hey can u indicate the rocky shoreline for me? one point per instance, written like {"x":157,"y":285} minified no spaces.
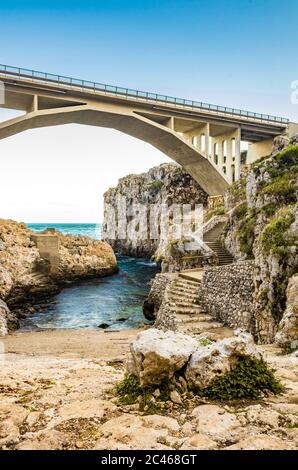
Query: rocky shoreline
{"x":26,"y":274}
{"x":191,"y":382}
{"x":58,"y":392}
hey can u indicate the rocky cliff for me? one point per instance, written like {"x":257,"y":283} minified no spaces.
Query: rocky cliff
{"x":25,"y":275}
{"x":164,"y":185}
{"x":263,"y":226}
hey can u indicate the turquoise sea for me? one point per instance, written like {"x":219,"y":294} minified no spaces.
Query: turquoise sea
{"x":115,"y":300}
{"x":88,"y":230}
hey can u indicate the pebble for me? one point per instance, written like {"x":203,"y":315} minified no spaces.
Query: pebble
{"x":175,"y":397}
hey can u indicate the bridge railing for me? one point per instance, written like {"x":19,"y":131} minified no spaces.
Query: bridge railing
{"x":95,"y":87}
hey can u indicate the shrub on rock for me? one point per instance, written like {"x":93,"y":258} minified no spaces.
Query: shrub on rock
{"x":211,"y":362}
{"x":250,"y":378}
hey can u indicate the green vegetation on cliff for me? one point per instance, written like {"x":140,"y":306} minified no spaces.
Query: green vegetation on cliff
{"x":277,"y":185}
{"x":220,"y":210}
{"x":246,"y":234}
{"x":238,"y":190}
{"x":275,"y":237}
{"x":262,"y":227}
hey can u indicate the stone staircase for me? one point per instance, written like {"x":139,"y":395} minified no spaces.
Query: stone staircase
{"x":183,"y":300}
{"x":212,"y":239}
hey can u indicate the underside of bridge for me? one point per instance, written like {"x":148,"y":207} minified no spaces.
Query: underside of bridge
{"x":207,"y":145}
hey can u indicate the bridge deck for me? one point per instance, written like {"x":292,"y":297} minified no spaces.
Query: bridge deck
{"x":16,"y":74}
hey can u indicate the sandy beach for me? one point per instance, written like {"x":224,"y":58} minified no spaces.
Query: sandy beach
{"x":77,"y":344}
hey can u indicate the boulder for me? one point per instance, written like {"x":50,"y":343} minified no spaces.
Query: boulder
{"x":156,"y":355}
{"x":210,"y":362}
{"x":8,"y":320}
{"x":288,"y":326}
{"x":216,"y":423}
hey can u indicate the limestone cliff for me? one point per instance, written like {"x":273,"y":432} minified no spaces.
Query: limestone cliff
{"x":25,"y":275}
{"x":166,"y":184}
{"x":263,"y":226}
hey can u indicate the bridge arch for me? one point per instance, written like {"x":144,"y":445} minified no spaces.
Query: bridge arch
{"x":174,"y":126}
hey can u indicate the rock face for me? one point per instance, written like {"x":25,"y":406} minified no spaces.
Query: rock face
{"x":263,"y":226}
{"x":82,"y":257}
{"x":288,"y":327}
{"x":8,"y":321}
{"x":156,"y":355}
{"x":25,"y":275}
{"x":155,"y":298}
{"x":157,"y":305}
{"x":163,"y":186}
{"x":210,"y":362}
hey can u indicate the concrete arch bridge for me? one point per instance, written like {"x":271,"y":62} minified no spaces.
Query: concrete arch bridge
{"x":205,"y":139}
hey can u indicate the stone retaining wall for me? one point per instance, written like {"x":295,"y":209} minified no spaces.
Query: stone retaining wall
{"x":227,"y":294}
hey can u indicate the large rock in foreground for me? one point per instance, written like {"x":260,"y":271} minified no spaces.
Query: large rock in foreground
{"x":210,"y":362}
{"x":157,"y":355}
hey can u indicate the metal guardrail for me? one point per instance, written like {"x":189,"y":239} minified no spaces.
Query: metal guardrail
{"x":94,"y":87}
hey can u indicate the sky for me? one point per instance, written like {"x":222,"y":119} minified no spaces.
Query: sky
{"x":239,"y":53}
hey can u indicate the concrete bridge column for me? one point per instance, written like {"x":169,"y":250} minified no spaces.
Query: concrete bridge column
{"x":199,"y":138}
{"x":225,"y":153}
{"x":33,"y":105}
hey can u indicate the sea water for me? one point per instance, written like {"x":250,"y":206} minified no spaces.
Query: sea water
{"x":114,"y":300}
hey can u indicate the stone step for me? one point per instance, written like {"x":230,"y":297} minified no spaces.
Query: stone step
{"x":185,"y":311}
{"x":193,"y":318}
{"x":183,"y":298}
{"x":185,"y":293}
{"x":188,"y":281}
{"x":206,"y":326}
{"x":184,"y":302}
{"x":190,"y":277}
{"x":182,"y":293}
{"x":186,"y":287}
{"x":186,"y":308}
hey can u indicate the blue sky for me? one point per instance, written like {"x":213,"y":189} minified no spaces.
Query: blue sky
{"x":236,"y":53}
{"x":240,"y":53}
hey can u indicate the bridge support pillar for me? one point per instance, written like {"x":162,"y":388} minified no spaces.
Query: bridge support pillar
{"x":224,"y":151}
{"x":199,"y":137}
{"x":34,"y":105}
